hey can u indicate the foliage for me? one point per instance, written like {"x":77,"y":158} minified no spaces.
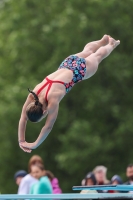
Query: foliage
{"x":94,"y":126}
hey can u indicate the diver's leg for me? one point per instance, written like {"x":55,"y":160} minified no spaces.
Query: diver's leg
{"x":92,"y":47}
{"x":94,"y":59}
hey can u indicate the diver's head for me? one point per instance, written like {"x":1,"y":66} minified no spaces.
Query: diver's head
{"x":34,"y":110}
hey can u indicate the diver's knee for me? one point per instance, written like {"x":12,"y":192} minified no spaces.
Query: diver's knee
{"x":87,"y":52}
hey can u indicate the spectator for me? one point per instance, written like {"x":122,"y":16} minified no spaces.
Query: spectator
{"x":54,"y":182}
{"x":43,"y":186}
{"x":89,"y":180}
{"x":34,"y":160}
{"x":28,"y":180}
{"x":19,"y":175}
{"x":100,"y":174}
{"x":116,"y":180}
{"x":129,"y":174}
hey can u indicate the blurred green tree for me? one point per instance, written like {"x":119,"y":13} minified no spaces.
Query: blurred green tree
{"x":94,"y":126}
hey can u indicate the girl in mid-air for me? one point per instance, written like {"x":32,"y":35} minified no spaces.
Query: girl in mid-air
{"x":45,"y":98}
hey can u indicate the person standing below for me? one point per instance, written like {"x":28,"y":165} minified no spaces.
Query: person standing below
{"x":28,"y":180}
{"x":100,"y":173}
{"x":54,"y":182}
{"x":89,"y":180}
{"x":129,"y":174}
{"x":19,"y":175}
{"x":43,"y":186}
{"x":116,"y":180}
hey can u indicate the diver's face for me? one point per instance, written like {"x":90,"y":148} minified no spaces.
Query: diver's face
{"x":45,"y":112}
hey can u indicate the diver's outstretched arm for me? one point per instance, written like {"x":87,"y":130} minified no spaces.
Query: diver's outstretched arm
{"x":23,"y":122}
{"x":51,"y":118}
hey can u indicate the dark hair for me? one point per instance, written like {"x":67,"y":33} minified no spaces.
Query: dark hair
{"x":116,"y":178}
{"x":49,"y":174}
{"x":20,"y":173}
{"x":35,"y":111}
{"x":91,"y":176}
{"x":130,"y":165}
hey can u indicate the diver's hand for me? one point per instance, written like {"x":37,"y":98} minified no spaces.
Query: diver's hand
{"x":26,"y":147}
{"x":29,"y":145}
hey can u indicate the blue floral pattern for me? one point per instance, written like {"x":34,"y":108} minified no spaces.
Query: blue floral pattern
{"x":77,"y":66}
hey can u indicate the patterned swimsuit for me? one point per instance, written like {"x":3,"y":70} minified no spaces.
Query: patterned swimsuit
{"x":77,"y":66}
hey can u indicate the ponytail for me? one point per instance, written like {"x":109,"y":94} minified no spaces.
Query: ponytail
{"x":37,"y":103}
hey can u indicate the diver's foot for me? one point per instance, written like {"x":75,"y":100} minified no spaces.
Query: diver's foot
{"x":113,"y":42}
{"x":105,"y":40}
